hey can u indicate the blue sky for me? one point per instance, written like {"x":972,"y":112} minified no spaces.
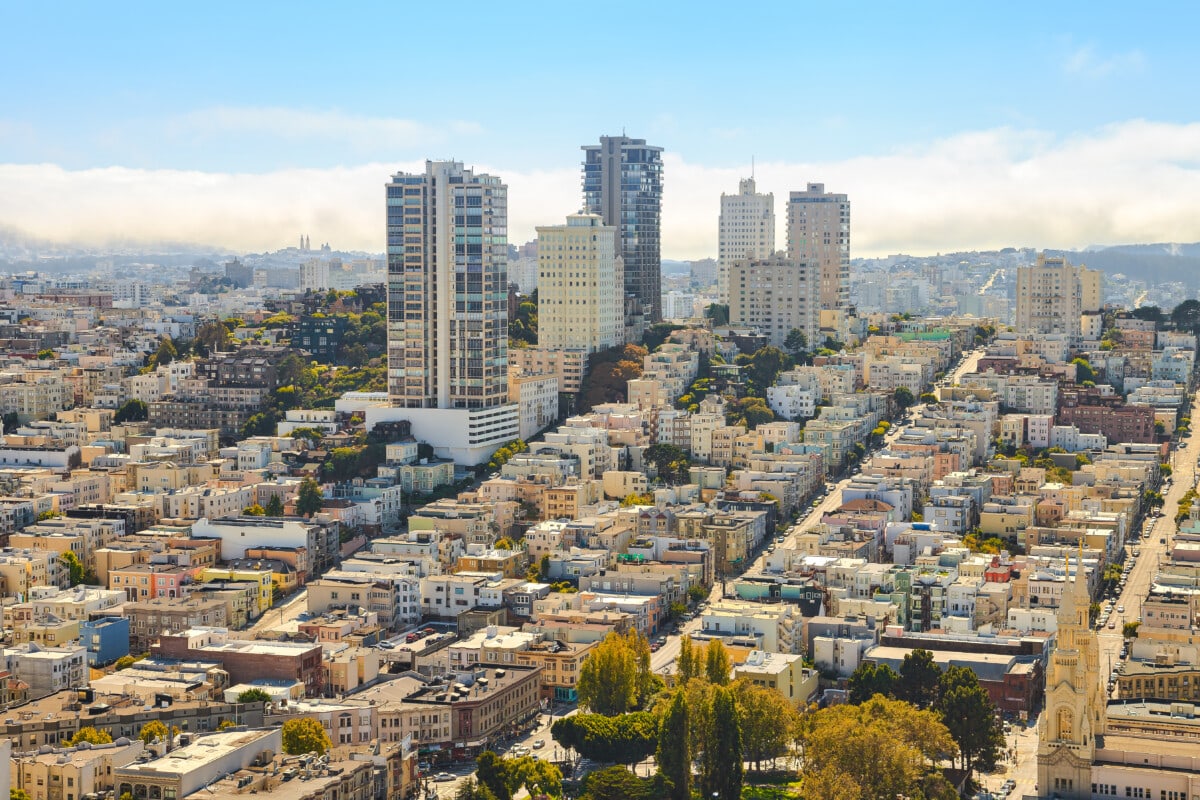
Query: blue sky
{"x":177,"y":121}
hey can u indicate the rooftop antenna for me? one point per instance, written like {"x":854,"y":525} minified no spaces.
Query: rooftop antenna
{"x":751,"y":167}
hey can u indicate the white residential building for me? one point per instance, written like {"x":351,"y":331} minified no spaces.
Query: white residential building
{"x":746,"y":229}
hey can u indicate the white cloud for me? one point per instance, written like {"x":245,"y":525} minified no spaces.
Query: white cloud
{"x":1086,"y":62}
{"x":1136,"y":181}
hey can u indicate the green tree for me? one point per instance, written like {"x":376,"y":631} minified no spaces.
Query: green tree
{"x":687,"y":663}
{"x":904,"y":397}
{"x":132,"y":411}
{"x":796,"y":345}
{"x":751,"y":412}
{"x":262,"y":423}
{"x":1083,"y":370}
{"x":309,"y":500}
{"x":768,"y":721}
{"x":1149,"y":314}
{"x":212,"y":337}
{"x":1130,"y":629}
{"x":274,"y":507}
{"x":15,"y":793}
{"x":669,"y":461}
{"x":125,"y":662}
{"x":618,"y":783}
{"x":716,"y":663}
{"x":886,"y":748}
{"x":722,"y":770}
{"x":254,"y":696}
{"x":11,"y":420}
{"x":871,"y":679}
{"x":496,"y":774}
{"x":540,"y":778}
{"x":718,"y":313}
{"x":304,"y":735}
{"x":472,"y":790}
{"x":165,"y":354}
{"x":919,"y":679}
{"x":763,"y":367}
{"x":74,"y":567}
{"x":697,"y":593}
{"x":254,"y":510}
{"x":90,"y":735}
{"x":623,"y":738}
{"x":674,"y":754}
{"x":607,"y":678}
{"x":1186,"y":316}
{"x":156,"y":731}
{"x":46,"y":354}
{"x":970,"y":716}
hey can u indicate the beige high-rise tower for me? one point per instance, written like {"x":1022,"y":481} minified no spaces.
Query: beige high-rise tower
{"x":818,"y":233}
{"x":746,"y":229}
{"x":581,"y":284}
{"x":773,"y":295}
{"x":1053,"y":294}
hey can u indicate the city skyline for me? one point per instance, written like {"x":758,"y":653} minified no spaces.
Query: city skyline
{"x":965,"y":130}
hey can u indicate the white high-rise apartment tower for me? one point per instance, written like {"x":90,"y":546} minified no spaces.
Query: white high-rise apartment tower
{"x":746,"y":230}
{"x":447,"y":250}
{"x":581,"y":285}
{"x":818,"y":232}
{"x":1052,"y":296}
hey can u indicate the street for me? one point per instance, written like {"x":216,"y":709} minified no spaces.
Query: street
{"x":275,"y":619}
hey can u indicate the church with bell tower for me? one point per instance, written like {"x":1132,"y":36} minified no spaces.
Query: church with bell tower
{"x":1076,"y":704}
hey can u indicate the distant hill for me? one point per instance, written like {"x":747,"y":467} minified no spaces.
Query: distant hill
{"x":1153,"y":263}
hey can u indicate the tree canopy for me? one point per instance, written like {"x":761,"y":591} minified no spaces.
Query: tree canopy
{"x":618,"y":783}
{"x":871,"y":679}
{"x":616,"y":676}
{"x":721,"y":767}
{"x":623,"y":739}
{"x":133,"y":410}
{"x":156,"y":731}
{"x":91,"y":735}
{"x":310,"y":499}
{"x":674,"y":753}
{"x":305,"y":735}
{"x":877,"y":750}
{"x":971,"y":719}
{"x":918,"y":679}
{"x":669,"y":461}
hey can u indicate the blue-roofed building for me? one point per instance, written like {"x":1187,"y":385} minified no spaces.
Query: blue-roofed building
{"x":106,"y":639}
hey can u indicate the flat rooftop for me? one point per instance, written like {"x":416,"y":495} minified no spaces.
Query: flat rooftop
{"x":203,"y":751}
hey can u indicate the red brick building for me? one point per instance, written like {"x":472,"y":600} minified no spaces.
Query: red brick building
{"x":245,"y":660}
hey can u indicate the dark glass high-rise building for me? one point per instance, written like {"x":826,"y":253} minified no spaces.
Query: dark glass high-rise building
{"x":622,"y":182}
